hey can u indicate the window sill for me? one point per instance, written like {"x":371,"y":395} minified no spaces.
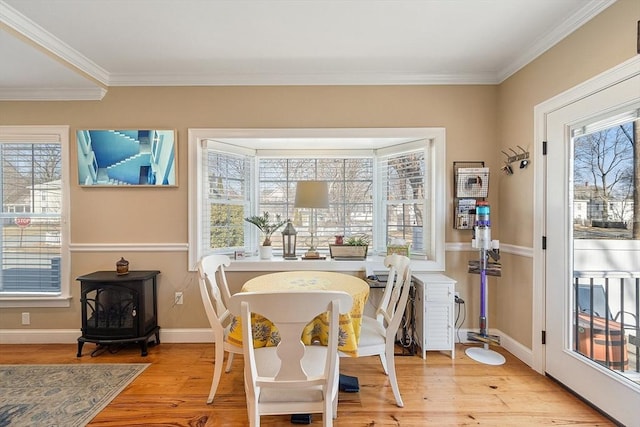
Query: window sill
{"x":371,"y":264}
{"x":35,"y":301}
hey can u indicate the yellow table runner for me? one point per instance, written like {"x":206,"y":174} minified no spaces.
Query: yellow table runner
{"x":265,"y":333}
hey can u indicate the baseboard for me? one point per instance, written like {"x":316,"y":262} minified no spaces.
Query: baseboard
{"x":70,"y":336}
{"x":201,"y":335}
{"x":39,"y":336}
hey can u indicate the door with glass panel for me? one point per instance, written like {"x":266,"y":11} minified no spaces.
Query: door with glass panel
{"x":592,"y":276}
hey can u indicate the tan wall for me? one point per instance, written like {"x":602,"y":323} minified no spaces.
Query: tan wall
{"x":141,"y":215}
{"x":606,"y":41}
{"x":480,"y":122}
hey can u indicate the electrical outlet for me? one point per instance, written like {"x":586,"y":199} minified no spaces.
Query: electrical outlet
{"x":456,"y":294}
{"x":26,"y":319}
{"x":178,"y":299}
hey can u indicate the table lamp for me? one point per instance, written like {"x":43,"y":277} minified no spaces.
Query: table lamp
{"x":313,"y":195}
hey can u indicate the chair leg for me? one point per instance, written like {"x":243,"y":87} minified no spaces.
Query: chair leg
{"x":392,"y":376}
{"x":229,"y":361}
{"x":383,"y":360}
{"x":217,"y":371}
{"x":252,"y":408}
{"x":327,"y":415}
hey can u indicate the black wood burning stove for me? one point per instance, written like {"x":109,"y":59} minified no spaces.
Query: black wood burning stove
{"x":119,"y":308}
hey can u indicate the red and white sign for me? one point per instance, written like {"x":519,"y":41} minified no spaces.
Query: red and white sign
{"x":23,"y":222}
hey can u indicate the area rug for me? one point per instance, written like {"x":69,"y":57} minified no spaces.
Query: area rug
{"x":60,"y":395}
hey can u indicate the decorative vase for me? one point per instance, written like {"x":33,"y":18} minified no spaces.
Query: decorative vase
{"x":266,"y":252}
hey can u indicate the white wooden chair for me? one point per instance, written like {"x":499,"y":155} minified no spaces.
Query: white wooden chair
{"x":378,"y":335}
{"x":215,"y":264}
{"x":291,"y":378}
{"x":213,"y":285}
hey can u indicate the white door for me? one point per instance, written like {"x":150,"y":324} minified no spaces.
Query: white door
{"x":606,"y":389}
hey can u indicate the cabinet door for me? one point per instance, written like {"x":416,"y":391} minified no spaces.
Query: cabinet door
{"x":438,"y":326}
{"x":438,"y":316}
{"x":438,"y":292}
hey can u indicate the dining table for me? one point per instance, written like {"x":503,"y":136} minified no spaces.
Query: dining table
{"x":265,"y":333}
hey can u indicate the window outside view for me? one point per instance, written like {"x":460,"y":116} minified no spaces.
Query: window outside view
{"x":350,"y":209}
{"x":605,"y":176}
{"x":605,"y":220}
{"x":31,"y":191}
{"x":351,"y":182}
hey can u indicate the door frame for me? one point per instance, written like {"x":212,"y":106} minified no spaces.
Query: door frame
{"x":606,"y":79}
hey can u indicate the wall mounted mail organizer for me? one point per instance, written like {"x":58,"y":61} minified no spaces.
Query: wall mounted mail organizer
{"x":471,"y":184}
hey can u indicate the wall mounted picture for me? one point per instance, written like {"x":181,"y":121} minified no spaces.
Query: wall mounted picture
{"x":134,"y":157}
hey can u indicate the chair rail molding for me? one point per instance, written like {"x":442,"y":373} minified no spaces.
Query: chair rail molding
{"x":131,"y":247}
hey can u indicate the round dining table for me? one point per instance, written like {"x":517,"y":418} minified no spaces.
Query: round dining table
{"x":265,"y":334}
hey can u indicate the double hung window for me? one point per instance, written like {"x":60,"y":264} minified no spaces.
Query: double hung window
{"x":34,"y":194}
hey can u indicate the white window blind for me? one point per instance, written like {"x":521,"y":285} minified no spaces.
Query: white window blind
{"x":32,"y":207}
{"x":404,"y":185}
{"x":350,"y":183}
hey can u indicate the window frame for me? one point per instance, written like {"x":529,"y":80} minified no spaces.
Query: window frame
{"x":437,"y":182}
{"x":48,"y":134}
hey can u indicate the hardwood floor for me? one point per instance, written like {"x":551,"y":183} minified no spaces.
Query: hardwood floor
{"x":437,"y":392}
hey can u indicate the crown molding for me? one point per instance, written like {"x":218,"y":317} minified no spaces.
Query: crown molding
{"x":34,"y":34}
{"x":293,"y":79}
{"x":51,"y":44}
{"x":548,"y":40}
{"x":51,"y":94}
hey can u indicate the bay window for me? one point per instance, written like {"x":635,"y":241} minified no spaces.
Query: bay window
{"x":385,"y":184}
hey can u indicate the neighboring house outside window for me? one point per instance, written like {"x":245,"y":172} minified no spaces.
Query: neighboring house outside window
{"x":34,"y":190}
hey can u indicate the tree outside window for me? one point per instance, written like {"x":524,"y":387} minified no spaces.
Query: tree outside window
{"x":606,"y":182}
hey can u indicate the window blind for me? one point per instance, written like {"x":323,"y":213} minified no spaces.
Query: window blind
{"x":403,"y":179}
{"x":31,"y":190}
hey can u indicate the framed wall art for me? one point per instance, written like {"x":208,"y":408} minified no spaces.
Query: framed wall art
{"x":131,"y":157}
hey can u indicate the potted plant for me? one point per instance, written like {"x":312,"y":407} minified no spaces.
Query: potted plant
{"x":267,"y":225}
{"x":354,"y":247}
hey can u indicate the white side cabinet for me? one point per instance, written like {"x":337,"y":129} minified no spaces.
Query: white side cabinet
{"x":435,"y":312}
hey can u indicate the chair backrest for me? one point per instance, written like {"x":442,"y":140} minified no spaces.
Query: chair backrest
{"x":396,"y":293}
{"x":600,"y":307}
{"x":290,"y":312}
{"x":212,"y":294}
{"x":213,"y":265}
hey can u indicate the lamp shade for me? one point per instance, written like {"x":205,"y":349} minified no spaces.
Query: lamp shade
{"x":312,"y":194}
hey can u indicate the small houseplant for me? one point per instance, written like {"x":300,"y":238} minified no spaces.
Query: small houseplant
{"x":357,"y":240}
{"x":267,"y":225}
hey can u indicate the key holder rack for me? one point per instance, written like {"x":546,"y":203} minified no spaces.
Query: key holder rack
{"x":522,"y":157}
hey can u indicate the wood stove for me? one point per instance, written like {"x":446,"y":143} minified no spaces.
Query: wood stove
{"x":119,"y":308}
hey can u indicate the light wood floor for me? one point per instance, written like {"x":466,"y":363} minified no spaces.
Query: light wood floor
{"x":437,"y":392}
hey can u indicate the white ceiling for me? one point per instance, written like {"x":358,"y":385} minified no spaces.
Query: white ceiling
{"x":77,"y":49}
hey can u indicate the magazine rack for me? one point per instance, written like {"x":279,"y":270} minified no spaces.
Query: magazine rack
{"x":471,"y":184}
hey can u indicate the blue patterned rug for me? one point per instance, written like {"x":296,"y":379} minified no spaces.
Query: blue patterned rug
{"x":60,"y":395}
